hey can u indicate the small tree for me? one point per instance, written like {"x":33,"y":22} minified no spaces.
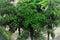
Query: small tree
{"x":31,"y":16}
{"x":53,"y":18}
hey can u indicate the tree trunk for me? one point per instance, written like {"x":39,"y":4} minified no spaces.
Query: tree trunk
{"x":31,"y":34}
{"x":31,"y":31}
{"x":48,"y":36}
{"x":19,"y":30}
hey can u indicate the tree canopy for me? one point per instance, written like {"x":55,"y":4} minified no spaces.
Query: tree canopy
{"x":30,"y":15}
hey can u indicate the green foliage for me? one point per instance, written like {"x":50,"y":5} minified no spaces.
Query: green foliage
{"x":5,"y":33}
{"x":27,"y":12}
{"x":23,"y":35}
{"x":4,"y":3}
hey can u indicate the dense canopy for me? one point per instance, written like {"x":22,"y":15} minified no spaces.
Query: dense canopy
{"x":30,"y":15}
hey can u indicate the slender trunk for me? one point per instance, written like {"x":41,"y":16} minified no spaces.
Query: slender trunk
{"x":48,"y":36}
{"x":31,"y":34}
{"x":31,"y":31}
{"x":19,"y":30}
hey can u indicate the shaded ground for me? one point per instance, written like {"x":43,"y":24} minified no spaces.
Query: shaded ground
{"x":57,"y":35}
{"x":57,"y":38}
